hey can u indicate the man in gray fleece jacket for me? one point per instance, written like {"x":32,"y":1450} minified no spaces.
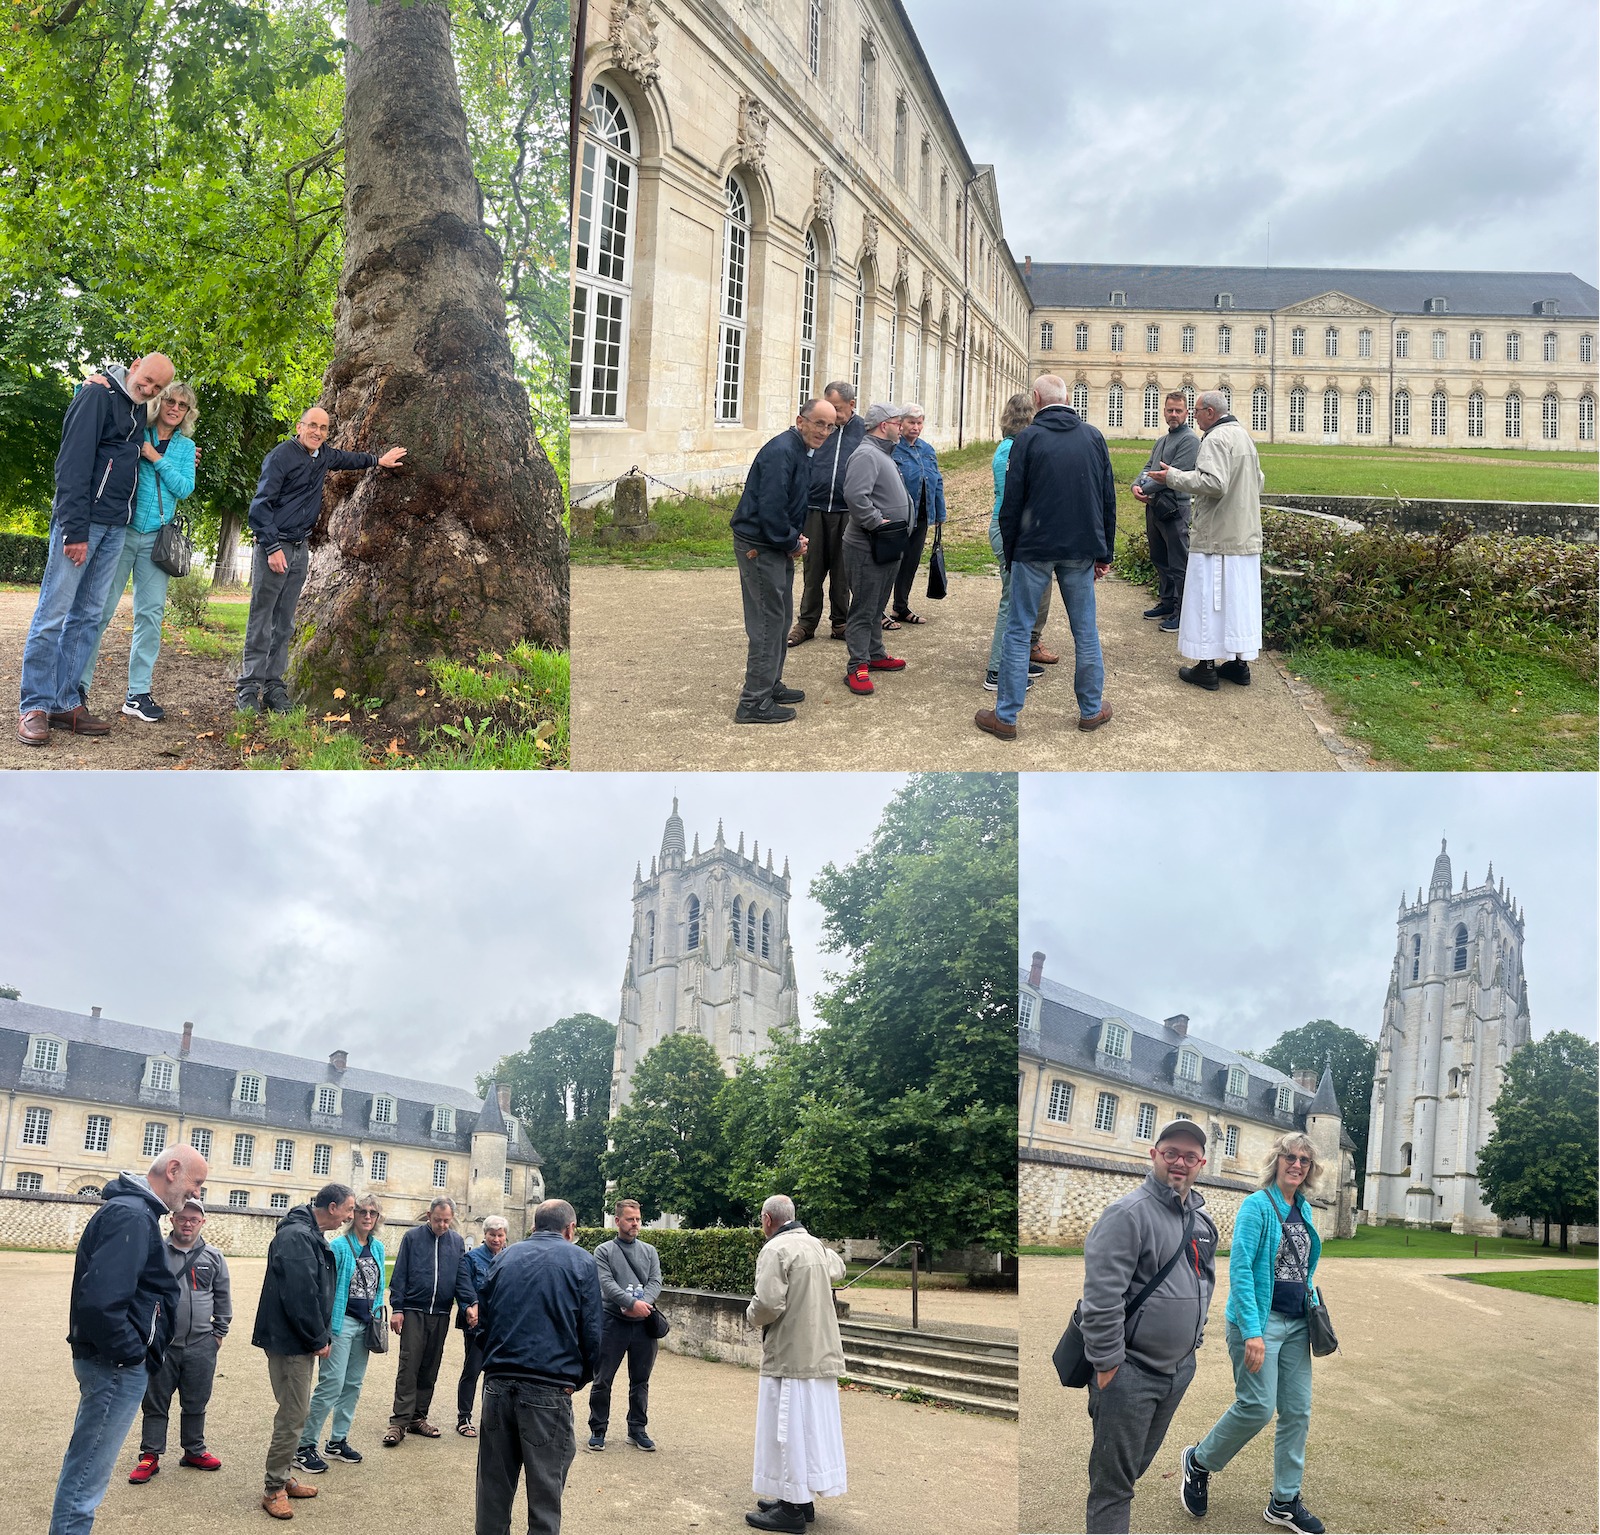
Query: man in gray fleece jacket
{"x":875,"y":498}
{"x":1144,"y":1365}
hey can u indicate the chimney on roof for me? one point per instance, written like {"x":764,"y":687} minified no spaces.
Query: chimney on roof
{"x":1305,"y":1078}
{"x":1036,"y":969}
{"x":94,"y":1012}
{"x":338,"y":1060}
{"x":188,"y":1038}
{"x":1027,"y":266}
{"x":1179,"y":1024}
{"x":503,"y":1092}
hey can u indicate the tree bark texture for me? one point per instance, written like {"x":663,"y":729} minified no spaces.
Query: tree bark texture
{"x":461,"y":548}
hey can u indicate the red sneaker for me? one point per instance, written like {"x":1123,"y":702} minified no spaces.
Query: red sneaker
{"x":148,"y":1466}
{"x":887,"y":664}
{"x":857,"y":680}
{"x":203,"y":1460}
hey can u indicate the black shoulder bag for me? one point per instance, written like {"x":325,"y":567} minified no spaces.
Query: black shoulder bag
{"x":172,"y":551}
{"x":655,"y":1325}
{"x":1071,"y":1363}
{"x":1320,"y":1326}
{"x":938,"y":586}
{"x":889,"y":541}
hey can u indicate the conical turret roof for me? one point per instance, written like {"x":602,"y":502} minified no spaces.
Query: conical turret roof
{"x":672,"y":843}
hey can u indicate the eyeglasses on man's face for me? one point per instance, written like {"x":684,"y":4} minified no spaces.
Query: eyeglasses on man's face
{"x":1187,"y":1158}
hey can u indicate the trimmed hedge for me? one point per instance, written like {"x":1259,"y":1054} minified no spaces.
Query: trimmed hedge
{"x":23,"y":556}
{"x":721,"y":1258}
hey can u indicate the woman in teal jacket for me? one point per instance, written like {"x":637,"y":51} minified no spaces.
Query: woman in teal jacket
{"x":1270,"y":1269}
{"x":358,"y":1255}
{"x":1017,"y":412}
{"x":166,"y":477}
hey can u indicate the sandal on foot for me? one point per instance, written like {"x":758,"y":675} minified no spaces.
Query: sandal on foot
{"x":392,"y":1436}
{"x":890,"y":623}
{"x":909,"y":617}
{"x":466,"y":1430}
{"x":422,"y":1428}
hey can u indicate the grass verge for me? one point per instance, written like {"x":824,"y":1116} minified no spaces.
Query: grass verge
{"x":1565,"y":1284}
{"x":1400,"y":1242}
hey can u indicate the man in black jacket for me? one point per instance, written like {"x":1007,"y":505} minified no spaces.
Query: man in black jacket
{"x":825,"y":520}
{"x":540,"y":1310}
{"x":1058,"y":521}
{"x":294,"y":1327}
{"x":124,"y":1299}
{"x":766,"y":537}
{"x":427,"y":1277}
{"x":287,"y":503}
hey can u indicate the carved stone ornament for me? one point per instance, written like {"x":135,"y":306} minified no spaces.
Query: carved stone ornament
{"x":869,"y":237}
{"x":752,"y":137}
{"x":927,"y":289}
{"x":902,"y":264}
{"x":633,"y":39}
{"x":824,"y":187}
{"x":1334,"y":304}
{"x":944,"y":309}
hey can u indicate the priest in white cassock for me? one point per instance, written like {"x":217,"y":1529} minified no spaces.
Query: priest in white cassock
{"x":1219,"y":628}
{"x":799,"y":1437}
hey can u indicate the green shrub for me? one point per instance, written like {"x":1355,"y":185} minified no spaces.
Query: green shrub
{"x":22,"y":557}
{"x":718,"y":1258}
{"x":189,"y":597}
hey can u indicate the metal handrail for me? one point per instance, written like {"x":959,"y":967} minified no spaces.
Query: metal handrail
{"x":916,"y":1249}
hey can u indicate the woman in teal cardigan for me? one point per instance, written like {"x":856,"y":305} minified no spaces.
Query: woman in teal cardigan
{"x":1270,"y":1268}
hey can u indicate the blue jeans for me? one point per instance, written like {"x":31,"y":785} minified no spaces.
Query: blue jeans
{"x":71,"y":600}
{"x":1029,"y":582}
{"x":1283,"y":1383}
{"x":149,"y":603}
{"x":997,"y":643}
{"x":108,"y":1402}
{"x":338,"y":1383}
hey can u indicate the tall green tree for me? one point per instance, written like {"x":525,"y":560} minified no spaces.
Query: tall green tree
{"x":561,"y":1091}
{"x":667,"y":1145}
{"x":1543,"y":1159}
{"x":1353,"y":1059}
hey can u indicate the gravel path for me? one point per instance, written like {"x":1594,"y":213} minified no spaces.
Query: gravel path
{"x":1450,"y":1407}
{"x":702,"y":1415}
{"x":658,"y":657}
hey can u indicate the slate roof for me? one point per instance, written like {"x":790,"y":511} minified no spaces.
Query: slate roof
{"x":106,"y":1064}
{"x":1084,"y":285}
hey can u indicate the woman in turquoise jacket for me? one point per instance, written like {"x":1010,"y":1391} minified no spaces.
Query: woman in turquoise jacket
{"x":1017,"y":412}
{"x":166,"y":477}
{"x":1270,"y":1293}
{"x":358,"y":1289}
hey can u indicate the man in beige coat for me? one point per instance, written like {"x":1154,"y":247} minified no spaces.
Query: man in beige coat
{"x":799,"y":1436}
{"x":1219,"y":628}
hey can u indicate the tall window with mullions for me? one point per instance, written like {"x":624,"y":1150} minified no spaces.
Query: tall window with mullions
{"x":808,"y":320}
{"x":735,"y":295}
{"x":600,"y":290}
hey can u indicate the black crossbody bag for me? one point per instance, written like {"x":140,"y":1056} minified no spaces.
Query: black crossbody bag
{"x":655,"y":1325}
{"x":173,"y":549}
{"x":1071,"y":1363}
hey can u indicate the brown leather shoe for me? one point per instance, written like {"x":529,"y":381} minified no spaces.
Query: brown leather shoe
{"x":422,"y":1429}
{"x":298,"y":1489}
{"x":1094,"y":721}
{"x":799,"y":635}
{"x":79,"y":722}
{"x":33,"y":728}
{"x":1042,"y":656}
{"x":277,"y":1504}
{"x":988,"y":720}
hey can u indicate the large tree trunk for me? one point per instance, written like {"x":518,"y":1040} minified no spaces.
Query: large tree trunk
{"x":226,"y":572}
{"x":461,"y":549}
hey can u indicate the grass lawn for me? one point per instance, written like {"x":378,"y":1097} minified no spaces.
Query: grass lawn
{"x":900,"y":1279}
{"x":1051,"y":1252}
{"x":1565,"y":1284}
{"x":1398,"y":1242}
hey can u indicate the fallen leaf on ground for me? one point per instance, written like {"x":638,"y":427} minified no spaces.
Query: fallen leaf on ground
{"x":421,"y":691}
{"x":336,"y":719}
{"x":338,"y":692}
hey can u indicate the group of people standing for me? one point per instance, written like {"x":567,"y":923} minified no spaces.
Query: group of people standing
{"x":127,"y":461}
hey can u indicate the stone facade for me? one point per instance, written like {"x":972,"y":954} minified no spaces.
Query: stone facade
{"x":1457,"y":1008}
{"x":773,"y":195}
{"x":709,"y":954}
{"x":1306,"y":361}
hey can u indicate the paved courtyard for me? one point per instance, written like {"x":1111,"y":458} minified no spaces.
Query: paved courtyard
{"x":1451,"y":1407}
{"x":900,"y":1455}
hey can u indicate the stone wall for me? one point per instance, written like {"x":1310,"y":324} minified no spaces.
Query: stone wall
{"x":56,"y":1221}
{"x":1571,"y":522}
{"x":710,"y":1325}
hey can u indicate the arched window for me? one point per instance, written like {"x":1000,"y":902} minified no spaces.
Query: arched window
{"x":1258,"y":409}
{"x":1116,"y":337}
{"x":1297,"y":341}
{"x":1402,"y":413}
{"x":1459,"y":961}
{"x":1114,"y":405}
{"x":766,"y":935}
{"x":601,"y":266}
{"x":1152,"y":405}
{"x":692,"y":912}
{"x":1475,"y":414}
{"x":855,"y":334}
{"x":1080,"y":398}
{"x":735,"y":297}
{"x":1405,"y":1155}
{"x":1188,"y":1066}
{"x":1513,"y":415}
{"x":1227,"y":398}
{"x":750,"y":928}
{"x":650,"y":939}
{"x":808,"y":320}
{"x":1363,"y":413}
{"x":1224,"y":340}
{"x":737,"y":909}
{"x":1297,"y":410}
{"x":1550,"y":418}
{"x":1549,"y":346}
{"x":1416,"y":954}
{"x":1188,"y":398}
{"x":1330,"y":341}
{"x":1586,"y":418}
{"x":1455,"y":1079}
{"x":1438,"y":414}
{"x":1330,"y":412}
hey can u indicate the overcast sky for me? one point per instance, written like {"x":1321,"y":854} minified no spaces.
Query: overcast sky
{"x":1457,"y":135}
{"x":1255,"y":903}
{"x":427,"y":924}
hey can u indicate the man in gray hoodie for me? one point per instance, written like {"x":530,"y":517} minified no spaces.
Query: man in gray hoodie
{"x":1143,"y":1365}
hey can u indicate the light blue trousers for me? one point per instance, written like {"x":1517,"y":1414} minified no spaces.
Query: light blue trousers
{"x":149,"y":603}
{"x":338,"y":1384}
{"x":1281,"y":1385}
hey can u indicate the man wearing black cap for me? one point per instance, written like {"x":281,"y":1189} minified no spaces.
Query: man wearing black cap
{"x":1143,"y":1364}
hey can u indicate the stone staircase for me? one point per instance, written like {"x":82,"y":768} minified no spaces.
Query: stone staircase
{"x":979,"y":1374}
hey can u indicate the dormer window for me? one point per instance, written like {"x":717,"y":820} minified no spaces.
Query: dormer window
{"x":1238,"y":1082}
{"x":160,"y":1075}
{"x":1114,"y":1039}
{"x":249,"y":1087}
{"x":1188,"y":1066}
{"x":328,"y":1100}
{"x":1027,"y":1005}
{"x":46,"y":1054}
{"x":1119,"y":299}
{"x":444,"y":1120}
{"x":1224,"y":301}
{"x":383,"y":1111}
{"x":1285,"y":1099}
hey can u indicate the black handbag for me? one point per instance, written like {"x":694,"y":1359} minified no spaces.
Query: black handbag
{"x":889,"y":541}
{"x":938,"y":586}
{"x":1072,"y":1364}
{"x":655,"y":1325}
{"x":378,"y":1330}
{"x":1320,"y":1326}
{"x":173,"y":550}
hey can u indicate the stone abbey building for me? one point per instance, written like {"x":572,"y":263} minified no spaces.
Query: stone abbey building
{"x":87,"y":1097}
{"x":709,"y":953}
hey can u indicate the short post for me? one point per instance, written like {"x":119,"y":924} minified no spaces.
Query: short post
{"x":630,"y":513}
{"x":1474,"y":1247}
{"x":915,"y":1249}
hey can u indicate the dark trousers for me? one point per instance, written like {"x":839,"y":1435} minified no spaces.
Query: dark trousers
{"x":1169,"y":553}
{"x":526,"y":1428}
{"x":471,"y":1369}
{"x":421,"y":1348}
{"x":621,"y":1339}
{"x":766,"y":584}
{"x":909,"y":561}
{"x":189,"y":1371}
{"x":824,"y":562}
{"x":869,"y":589}
{"x":1131,"y":1417}
{"x":271,"y":622}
